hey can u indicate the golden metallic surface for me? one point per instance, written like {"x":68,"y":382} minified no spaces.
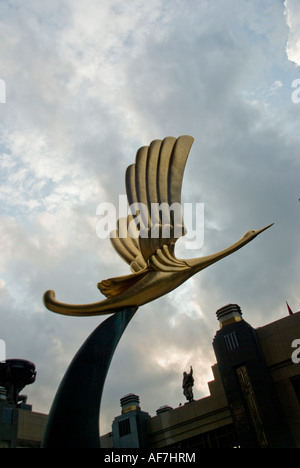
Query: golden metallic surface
{"x":129,"y":409}
{"x":156,"y":177}
{"x":230,"y":321}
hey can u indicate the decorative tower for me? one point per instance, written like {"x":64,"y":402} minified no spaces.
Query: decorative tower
{"x":129,"y":429}
{"x":248,"y":385}
{"x":15,"y":374}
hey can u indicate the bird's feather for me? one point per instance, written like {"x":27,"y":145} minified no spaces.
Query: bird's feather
{"x":112,"y":287}
{"x":153,"y":187}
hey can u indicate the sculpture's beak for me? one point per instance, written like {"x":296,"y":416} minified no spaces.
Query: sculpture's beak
{"x":263,"y":229}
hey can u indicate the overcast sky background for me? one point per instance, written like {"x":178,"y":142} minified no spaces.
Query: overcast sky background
{"x":87,"y":84}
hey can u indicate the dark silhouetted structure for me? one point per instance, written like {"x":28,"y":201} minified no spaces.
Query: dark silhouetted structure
{"x":15,"y":374}
{"x":74,"y":415}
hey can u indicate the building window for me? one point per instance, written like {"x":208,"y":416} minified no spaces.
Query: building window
{"x":251,"y":405}
{"x":231,"y":341}
{"x":7,"y":415}
{"x":295,"y":381}
{"x":124,"y":427}
{"x":223,"y":437}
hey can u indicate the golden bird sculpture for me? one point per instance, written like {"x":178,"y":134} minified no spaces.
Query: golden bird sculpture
{"x":154,"y":180}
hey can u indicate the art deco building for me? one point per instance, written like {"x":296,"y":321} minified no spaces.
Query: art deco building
{"x":253,"y":401}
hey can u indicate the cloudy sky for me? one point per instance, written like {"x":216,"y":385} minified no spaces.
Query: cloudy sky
{"x":84,"y":85}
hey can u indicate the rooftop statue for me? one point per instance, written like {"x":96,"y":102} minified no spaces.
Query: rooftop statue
{"x":154,"y":179}
{"x":187,"y":385}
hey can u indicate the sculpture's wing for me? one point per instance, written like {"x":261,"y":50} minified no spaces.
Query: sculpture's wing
{"x":153,"y":185}
{"x":125,"y":240}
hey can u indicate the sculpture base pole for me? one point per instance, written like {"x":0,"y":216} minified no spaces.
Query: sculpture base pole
{"x":74,"y":416}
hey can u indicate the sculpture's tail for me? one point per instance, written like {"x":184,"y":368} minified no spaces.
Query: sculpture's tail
{"x":113,"y":287}
{"x":104,"y":307}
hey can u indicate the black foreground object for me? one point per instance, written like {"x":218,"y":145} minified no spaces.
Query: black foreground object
{"x":74,"y":416}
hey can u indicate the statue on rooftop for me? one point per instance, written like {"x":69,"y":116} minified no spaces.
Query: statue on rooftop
{"x":187,"y":385}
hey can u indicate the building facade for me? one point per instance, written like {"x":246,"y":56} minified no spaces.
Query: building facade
{"x":20,"y":427}
{"x":254,"y":397}
{"x":253,"y":401}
